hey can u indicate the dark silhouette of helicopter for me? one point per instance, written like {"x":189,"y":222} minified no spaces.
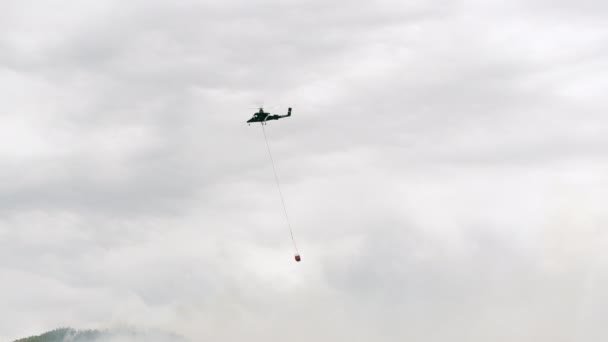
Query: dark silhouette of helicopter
{"x":262,"y":116}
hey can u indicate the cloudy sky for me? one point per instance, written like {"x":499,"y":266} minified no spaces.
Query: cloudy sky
{"x":445,"y":169}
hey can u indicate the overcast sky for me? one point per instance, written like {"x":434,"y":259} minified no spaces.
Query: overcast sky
{"x":445,"y":169}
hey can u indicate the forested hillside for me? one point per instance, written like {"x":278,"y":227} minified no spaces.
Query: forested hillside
{"x":114,"y":335}
{"x":64,"y":335}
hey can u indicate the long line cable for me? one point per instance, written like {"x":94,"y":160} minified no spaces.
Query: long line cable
{"x":276,"y":178}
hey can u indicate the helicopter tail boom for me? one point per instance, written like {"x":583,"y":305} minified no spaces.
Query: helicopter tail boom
{"x":273,"y":117}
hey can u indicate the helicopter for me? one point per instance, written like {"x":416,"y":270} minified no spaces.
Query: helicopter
{"x":262,"y":116}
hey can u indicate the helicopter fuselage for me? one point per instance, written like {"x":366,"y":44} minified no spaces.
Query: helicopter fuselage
{"x":262,"y":116}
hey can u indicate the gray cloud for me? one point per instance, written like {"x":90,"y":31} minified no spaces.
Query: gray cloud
{"x":444,"y":169}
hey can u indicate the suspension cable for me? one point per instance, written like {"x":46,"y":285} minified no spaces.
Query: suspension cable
{"x":276,"y":178}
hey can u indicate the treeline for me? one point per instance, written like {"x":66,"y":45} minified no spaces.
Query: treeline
{"x":65,"y":334}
